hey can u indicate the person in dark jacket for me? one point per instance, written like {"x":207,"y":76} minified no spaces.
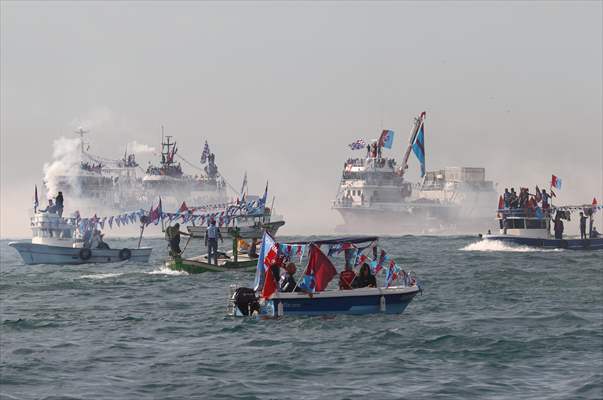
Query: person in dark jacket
{"x":583,"y":219}
{"x":365,"y":278}
{"x":288,"y":283}
{"x":59,"y":203}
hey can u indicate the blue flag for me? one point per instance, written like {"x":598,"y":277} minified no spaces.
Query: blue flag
{"x":418,"y":147}
{"x":387,"y":139}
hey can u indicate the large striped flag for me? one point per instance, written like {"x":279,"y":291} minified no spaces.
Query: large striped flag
{"x":418,"y":147}
{"x":386,"y":139}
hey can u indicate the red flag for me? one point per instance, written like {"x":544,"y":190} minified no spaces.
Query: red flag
{"x":183,"y":207}
{"x":501,"y":203}
{"x":271,"y":256}
{"x":269,"y":283}
{"x":321,"y":267}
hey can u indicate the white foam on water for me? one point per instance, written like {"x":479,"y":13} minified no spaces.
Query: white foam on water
{"x":497,"y":245}
{"x":101,"y":276}
{"x":163,"y":270}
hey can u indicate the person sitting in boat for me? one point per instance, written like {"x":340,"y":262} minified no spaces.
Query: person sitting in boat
{"x":346,"y":278}
{"x":288,"y":283}
{"x":365,"y":278}
{"x":594,"y":233}
{"x":172,"y":234}
{"x":252,"y":251}
{"x":211,"y":241}
{"x":51,"y":208}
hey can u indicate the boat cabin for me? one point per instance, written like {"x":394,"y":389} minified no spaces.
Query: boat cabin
{"x":524,"y":223}
{"x":50,"y":229}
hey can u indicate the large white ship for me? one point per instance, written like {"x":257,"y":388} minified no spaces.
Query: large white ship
{"x":375,"y":196}
{"x":123,"y":185}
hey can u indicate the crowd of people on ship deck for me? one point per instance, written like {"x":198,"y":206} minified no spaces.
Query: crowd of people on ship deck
{"x":526,"y":200}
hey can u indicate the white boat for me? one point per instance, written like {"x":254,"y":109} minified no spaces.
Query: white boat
{"x":54,"y":241}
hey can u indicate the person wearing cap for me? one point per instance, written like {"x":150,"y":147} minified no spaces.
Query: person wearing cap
{"x":211,"y":241}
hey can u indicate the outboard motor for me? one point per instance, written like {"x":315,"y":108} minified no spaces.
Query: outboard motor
{"x":246,"y":301}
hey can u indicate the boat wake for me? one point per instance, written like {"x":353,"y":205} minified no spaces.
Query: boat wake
{"x":497,"y":245}
{"x":101,"y":276}
{"x":163,"y":270}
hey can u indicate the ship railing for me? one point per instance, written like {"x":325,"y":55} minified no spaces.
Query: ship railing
{"x":504,"y":213}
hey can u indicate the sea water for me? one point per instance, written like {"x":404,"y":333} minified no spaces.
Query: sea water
{"x":493,"y":322}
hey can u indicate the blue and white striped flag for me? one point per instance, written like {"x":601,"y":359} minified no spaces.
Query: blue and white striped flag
{"x":358,"y":144}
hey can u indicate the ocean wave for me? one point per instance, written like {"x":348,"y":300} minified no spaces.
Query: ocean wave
{"x":102,"y":276}
{"x":497,"y":245}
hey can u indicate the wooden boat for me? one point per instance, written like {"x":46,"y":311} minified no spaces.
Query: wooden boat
{"x":200,"y":264}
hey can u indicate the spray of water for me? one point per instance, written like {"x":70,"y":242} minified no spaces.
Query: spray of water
{"x":499,"y":246}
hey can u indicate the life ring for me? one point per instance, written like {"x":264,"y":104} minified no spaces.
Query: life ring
{"x":85,"y":253}
{"x":125,"y":254}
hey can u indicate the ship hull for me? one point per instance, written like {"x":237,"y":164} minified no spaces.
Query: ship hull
{"x":569,"y":243}
{"x":411,"y":219}
{"x":43,"y":254}
{"x":343,"y":302}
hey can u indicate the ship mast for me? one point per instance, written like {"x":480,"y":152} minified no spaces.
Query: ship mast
{"x":81,"y":131}
{"x":413,"y":137}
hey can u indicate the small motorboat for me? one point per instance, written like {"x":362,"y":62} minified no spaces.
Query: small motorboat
{"x":525,"y":227}
{"x":55,"y":241}
{"x":394,"y":295}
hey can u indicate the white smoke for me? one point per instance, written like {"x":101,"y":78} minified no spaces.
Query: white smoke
{"x":66,"y":160}
{"x":140,"y":148}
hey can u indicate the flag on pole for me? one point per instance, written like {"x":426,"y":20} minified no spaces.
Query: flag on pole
{"x":320,"y":267}
{"x":418,"y":147}
{"x":205,"y":153}
{"x":386,"y":139}
{"x":36,"y":201}
{"x":358,"y":144}
{"x":262,"y":200}
{"x":556,"y":182}
{"x":265,"y":246}
{"x":244,"y":185}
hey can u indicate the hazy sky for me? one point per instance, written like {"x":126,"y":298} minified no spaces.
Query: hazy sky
{"x":280,"y":89}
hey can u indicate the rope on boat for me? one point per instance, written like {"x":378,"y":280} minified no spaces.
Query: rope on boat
{"x":235,"y":191}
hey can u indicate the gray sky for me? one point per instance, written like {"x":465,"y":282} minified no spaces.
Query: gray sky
{"x":280,"y":89}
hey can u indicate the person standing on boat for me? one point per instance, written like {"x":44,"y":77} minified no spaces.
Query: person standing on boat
{"x":59,"y":204}
{"x":558,"y":227}
{"x":507,"y":198}
{"x":172,"y":234}
{"x":545,"y":199}
{"x":583,"y":219}
{"x":211,"y":241}
{"x":51,"y":208}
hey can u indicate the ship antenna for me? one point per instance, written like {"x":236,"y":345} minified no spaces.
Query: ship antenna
{"x":81,"y":131}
